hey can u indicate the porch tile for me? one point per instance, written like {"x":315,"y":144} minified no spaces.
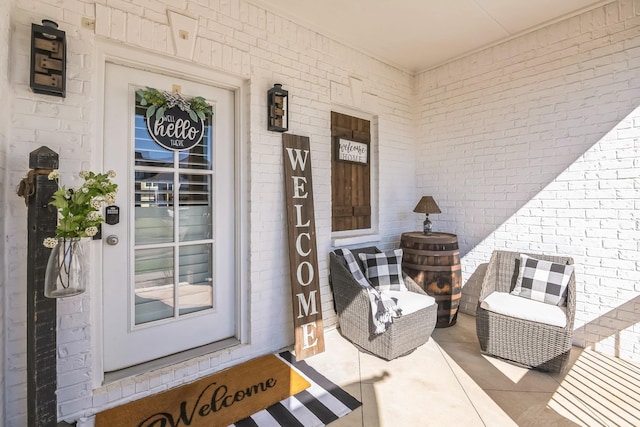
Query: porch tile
{"x":490,"y":413}
{"x":417,"y":389}
{"x":495,"y":374}
{"x":448,"y":382}
{"x":339,"y":362}
{"x":529,"y":409}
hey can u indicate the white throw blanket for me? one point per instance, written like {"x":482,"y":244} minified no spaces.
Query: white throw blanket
{"x":383,"y":307}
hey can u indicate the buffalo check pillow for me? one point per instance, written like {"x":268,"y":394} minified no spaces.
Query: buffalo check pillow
{"x":543,"y":281}
{"x":384,"y":270}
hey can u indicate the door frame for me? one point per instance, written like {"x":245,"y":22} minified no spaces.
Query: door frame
{"x":110,"y":52}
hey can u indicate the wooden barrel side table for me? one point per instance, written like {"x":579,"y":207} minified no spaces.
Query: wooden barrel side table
{"x":434,"y":263}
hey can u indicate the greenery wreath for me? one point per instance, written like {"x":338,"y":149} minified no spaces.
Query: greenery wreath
{"x":158,"y":102}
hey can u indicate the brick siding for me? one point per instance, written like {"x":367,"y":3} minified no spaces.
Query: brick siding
{"x":4,"y":127}
{"x":533,"y":145}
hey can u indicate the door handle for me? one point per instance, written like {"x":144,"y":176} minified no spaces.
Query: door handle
{"x":112,"y":240}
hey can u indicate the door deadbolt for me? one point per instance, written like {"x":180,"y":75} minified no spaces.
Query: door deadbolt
{"x":112,"y":240}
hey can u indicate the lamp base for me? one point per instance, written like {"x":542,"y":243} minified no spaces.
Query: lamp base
{"x":427,"y":227}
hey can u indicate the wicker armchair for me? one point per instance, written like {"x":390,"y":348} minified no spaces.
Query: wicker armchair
{"x":531,"y":344}
{"x":354,"y":314}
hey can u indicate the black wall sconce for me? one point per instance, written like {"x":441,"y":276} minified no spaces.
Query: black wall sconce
{"x":48,"y":59}
{"x":278,"y":108}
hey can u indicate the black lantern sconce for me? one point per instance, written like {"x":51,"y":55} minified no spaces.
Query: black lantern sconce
{"x":278,"y":108}
{"x":48,"y":59}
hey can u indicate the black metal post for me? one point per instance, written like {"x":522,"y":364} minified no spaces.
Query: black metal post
{"x":41,"y":311}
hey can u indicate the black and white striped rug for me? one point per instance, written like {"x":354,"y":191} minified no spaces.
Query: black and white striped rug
{"x":320,"y":404}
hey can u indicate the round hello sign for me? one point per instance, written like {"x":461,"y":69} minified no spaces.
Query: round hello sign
{"x":175,"y":130}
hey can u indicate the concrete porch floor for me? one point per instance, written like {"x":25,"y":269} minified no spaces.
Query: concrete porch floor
{"x":447,"y":382}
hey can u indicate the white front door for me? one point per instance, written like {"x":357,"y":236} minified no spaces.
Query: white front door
{"x":169,"y":282}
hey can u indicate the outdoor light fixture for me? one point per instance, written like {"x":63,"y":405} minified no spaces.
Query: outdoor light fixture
{"x":427,"y":206}
{"x":278,"y":108}
{"x":48,"y":59}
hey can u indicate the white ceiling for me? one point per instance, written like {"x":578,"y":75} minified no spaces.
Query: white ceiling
{"x":418,"y":34}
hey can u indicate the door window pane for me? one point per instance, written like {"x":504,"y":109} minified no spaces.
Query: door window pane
{"x":147,"y":151}
{"x":154,"y":295}
{"x":154,"y":207}
{"x":195,"y":207}
{"x":200,"y":155}
{"x":196,"y":284}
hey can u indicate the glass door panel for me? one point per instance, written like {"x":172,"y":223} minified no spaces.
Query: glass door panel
{"x":161,"y":177}
{"x":154,"y":296}
{"x":195,"y":207}
{"x":196,"y":278}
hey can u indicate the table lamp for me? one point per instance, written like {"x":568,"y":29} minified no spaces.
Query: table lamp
{"x":427,"y":206}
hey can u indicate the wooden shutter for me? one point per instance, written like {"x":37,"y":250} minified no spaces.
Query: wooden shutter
{"x":350,"y":182}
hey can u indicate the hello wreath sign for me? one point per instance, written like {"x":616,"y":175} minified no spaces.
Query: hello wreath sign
{"x":174,"y":122}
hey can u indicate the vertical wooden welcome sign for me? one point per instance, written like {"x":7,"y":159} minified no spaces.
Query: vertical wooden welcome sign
{"x":303,"y":256}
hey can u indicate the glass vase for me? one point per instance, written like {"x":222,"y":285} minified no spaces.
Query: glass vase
{"x":66,"y":269}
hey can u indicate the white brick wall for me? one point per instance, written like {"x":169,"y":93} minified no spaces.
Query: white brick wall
{"x":233,"y":37}
{"x":533,"y":145}
{"x":4,"y":126}
{"x":4,"y":94}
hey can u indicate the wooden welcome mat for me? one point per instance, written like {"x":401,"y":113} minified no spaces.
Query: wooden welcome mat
{"x":218,"y":400}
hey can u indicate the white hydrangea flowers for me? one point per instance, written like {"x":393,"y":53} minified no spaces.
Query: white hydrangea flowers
{"x":50,"y":242}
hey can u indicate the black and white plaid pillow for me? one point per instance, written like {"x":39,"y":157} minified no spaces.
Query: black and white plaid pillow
{"x":543,"y":281}
{"x":384,"y":270}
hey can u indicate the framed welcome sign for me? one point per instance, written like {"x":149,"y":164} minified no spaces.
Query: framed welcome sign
{"x":352,"y":151}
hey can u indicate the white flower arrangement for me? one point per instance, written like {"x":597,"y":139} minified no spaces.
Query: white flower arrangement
{"x":79,"y":209}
